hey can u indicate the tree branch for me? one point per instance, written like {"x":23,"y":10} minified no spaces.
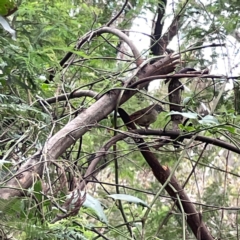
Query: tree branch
{"x":162,"y":173}
{"x":72,"y":131}
{"x":74,"y":94}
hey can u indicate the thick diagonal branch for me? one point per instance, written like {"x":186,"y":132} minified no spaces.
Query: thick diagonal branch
{"x":75,"y":129}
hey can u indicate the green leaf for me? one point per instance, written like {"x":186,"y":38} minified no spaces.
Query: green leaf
{"x":128,"y":198}
{"x":6,"y":6}
{"x":184,"y":114}
{"x":37,"y":190}
{"x":11,"y":206}
{"x":90,"y":202}
{"x":187,"y":128}
{"x":208,"y":120}
{"x":228,"y":128}
{"x":186,"y":100}
{"x":7,"y":27}
{"x":95,"y":205}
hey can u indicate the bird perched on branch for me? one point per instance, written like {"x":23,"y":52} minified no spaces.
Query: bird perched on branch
{"x":144,"y":117}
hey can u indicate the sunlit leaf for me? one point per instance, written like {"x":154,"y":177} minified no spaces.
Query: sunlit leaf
{"x":190,"y":115}
{"x":128,"y":198}
{"x":7,"y":27}
{"x":209,"y":120}
{"x":95,"y":205}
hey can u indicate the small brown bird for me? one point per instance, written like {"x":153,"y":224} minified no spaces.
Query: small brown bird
{"x":146,"y":116}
